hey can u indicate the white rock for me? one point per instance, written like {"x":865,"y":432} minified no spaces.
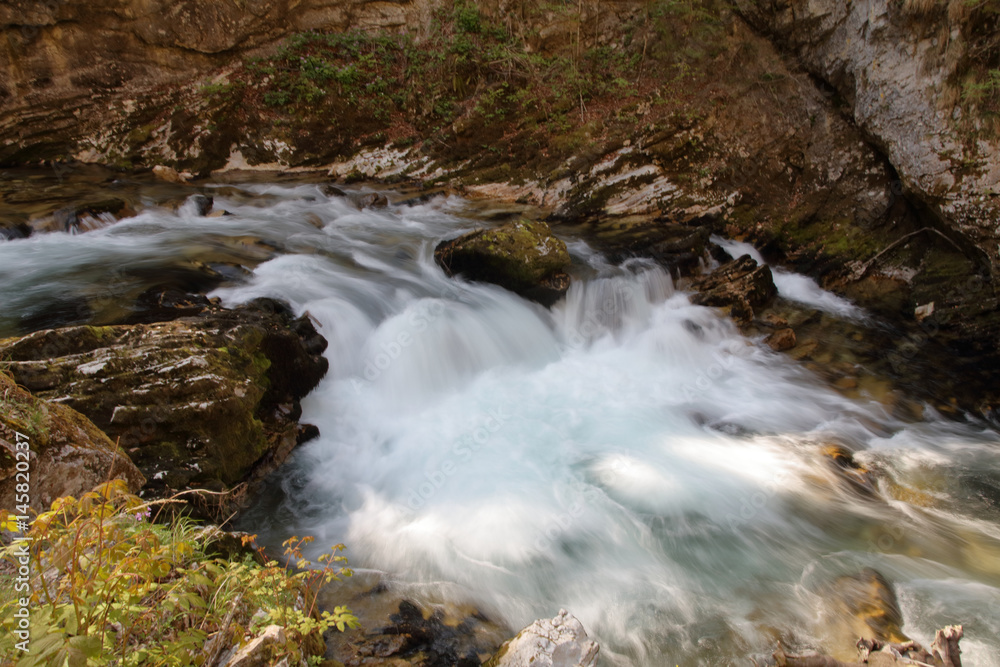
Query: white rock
{"x":168,"y":174}
{"x":257,"y":652}
{"x":556,"y":642}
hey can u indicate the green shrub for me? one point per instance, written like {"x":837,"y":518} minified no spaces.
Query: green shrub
{"x":109,"y":587}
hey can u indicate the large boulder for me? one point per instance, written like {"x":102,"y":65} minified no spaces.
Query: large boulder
{"x":557,"y":642}
{"x":522,"y":256}
{"x":207,"y":401}
{"x":739,"y":286}
{"x":53,"y":450}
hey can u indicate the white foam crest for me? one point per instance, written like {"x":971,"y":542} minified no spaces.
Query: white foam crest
{"x":795,"y":286}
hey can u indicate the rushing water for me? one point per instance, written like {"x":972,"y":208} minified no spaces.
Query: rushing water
{"x":627,"y":455}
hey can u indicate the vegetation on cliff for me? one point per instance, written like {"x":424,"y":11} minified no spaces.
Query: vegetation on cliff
{"x":476,"y":87}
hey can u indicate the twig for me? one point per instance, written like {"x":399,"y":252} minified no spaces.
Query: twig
{"x":868,"y":265}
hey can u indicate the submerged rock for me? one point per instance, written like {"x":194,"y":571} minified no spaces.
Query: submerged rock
{"x":68,"y":455}
{"x":412,"y":636}
{"x":739,"y":286}
{"x":557,"y":642}
{"x":862,"y":605}
{"x":207,"y":401}
{"x":781,"y":339}
{"x":371,"y":200}
{"x":522,"y":256}
{"x":11,"y":230}
{"x":85,"y":217}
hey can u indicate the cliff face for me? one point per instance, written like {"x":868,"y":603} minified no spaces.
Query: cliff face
{"x":905,"y":71}
{"x":64,"y":62}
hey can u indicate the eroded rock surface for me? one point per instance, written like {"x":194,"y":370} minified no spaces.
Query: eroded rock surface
{"x":739,"y":286}
{"x":207,"y":401}
{"x":68,"y":454}
{"x":557,"y":642}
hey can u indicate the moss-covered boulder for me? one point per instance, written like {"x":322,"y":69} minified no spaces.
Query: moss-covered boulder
{"x":207,"y":401}
{"x":53,"y":451}
{"x":522,"y":256}
{"x":740,"y":287}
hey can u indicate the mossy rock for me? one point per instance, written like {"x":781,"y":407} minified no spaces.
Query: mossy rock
{"x":68,"y":454}
{"x":522,"y":256}
{"x":200,"y":402}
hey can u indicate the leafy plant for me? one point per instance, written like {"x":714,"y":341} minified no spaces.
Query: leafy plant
{"x":109,"y":587}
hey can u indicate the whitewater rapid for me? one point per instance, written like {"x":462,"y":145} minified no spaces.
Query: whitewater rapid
{"x":625,"y":455}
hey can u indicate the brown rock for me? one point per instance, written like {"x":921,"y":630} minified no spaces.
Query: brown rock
{"x":781,"y":340}
{"x":68,"y":454}
{"x":168,"y":174}
{"x":739,"y":286}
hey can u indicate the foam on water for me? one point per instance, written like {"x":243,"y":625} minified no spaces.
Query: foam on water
{"x":626,"y":455}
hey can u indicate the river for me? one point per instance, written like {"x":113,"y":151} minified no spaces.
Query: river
{"x":627,"y":455}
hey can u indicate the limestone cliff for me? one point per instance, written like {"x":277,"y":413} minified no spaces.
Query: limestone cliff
{"x":905,"y":71}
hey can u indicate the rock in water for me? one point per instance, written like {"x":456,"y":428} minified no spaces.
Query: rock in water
{"x":556,"y":642}
{"x":781,"y":339}
{"x":521,"y":256}
{"x":861,"y":605}
{"x":739,"y":286}
{"x":68,"y":454}
{"x":198,"y":402}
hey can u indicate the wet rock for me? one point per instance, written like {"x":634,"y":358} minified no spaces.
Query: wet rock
{"x":11,"y":231}
{"x":781,"y":339}
{"x":863,"y":605}
{"x":739,"y":286}
{"x":202,"y":204}
{"x":332,"y":191}
{"x":160,"y":304}
{"x":522,"y":256}
{"x":412,"y":638}
{"x":371,"y":200}
{"x":198,"y":402}
{"x":557,"y":642}
{"x":858,"y":478}
{"x":69,"y":455}
{"x":944,"y":652}
{"x":85,"y":217}
{"x":679,"y":247}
